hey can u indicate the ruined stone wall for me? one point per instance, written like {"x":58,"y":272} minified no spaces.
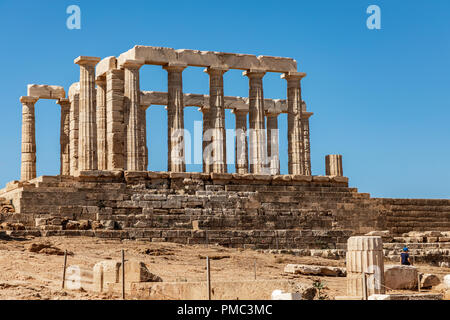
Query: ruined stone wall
{"x":231,"y":209}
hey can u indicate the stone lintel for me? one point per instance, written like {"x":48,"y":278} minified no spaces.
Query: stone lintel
{"x":43,"y":91}
{"x":196,"y":58}
{"x":85,"y":60}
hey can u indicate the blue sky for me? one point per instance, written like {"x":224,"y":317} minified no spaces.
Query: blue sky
{"x":379,"y":97}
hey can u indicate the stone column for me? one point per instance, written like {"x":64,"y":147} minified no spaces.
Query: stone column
{"x":306,"y":143}
{"x":295,"y":126}
{"x":217,"y":118}
{"x":175,"y":117}
{"x":272,"y":143}
{"x":65,"y":137}
{"x":74,"y":97}
{"x":28,"y":167}
{"x":132,"y":96}
{"x":87,"y":141}
{"x":258,"y":146}
{"x":333,"y":165}
{"x":207,"y":139}
{"x":365,"y":254}
{"x":241,"y":145}
{"x":143,"y":136}
{"x":102,"y":153}
{"x":115,"y":127}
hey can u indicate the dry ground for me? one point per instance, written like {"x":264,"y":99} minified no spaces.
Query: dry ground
{"x":27,"y":275}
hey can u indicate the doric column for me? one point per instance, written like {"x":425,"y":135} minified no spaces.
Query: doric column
{"x":207,"y":138}
{"x":102,"y":154}
{"x":28,"y":168}
{"x":295,"y":126}
{"x":272,"y":143}
{"x":258,"y":147}
{"x":132,"y":96}
{"x":175,"y":117}
{"x":241,"y":145}
{"x":333,"y":165}
{"x":65,"y":137}
{"x":306,"y":143}
{"x":217,"y":118}
{"x":115,"y":127}
{"x":87,"y":141}
{"x":143,"y":135}
{"x":74,"y":96}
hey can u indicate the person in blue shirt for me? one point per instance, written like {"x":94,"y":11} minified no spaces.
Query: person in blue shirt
{"x":404,"y":257}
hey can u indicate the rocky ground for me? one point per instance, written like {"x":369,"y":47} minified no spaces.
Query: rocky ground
{"x":25,"y":274}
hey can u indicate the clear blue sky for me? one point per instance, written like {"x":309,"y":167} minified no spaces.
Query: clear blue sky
{"x":380,"y":97}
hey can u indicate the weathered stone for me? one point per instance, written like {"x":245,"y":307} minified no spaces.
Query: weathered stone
{"x":400,"y":277}
{"x":315,"y":270}
{"x":429,"y":281}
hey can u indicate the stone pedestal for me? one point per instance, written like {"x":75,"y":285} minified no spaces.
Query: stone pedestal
{"x":257,"y":134}
{"x":217,"y":118}
{"x":241,"y":145}
{"x":296,"y":157}
{"x":28,"y":167}
{"x":132,"y":95}
{"x":87,"y":141}
{"x":365,"y":255}
{"x":175,"y":117}
{"x":65,"y":137}
{"x":333,"y":165}
{"x":102,"y":153}
{"x":272,"y":143}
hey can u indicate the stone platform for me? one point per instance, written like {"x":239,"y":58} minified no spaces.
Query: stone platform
{"x":238,"y":210}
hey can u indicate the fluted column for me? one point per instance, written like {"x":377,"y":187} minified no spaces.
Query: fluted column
{"x":102,"y":154}
{"x":132,"y":96}
{"x":143,"y":136}
{"x":241,"y":145}
{"x":258,"y":147}
{"x":175,"y":117}
{"x":65,"y":137}
{"x":207,"y":138}
{"x":295,"y":126}
{"x":28,"y":167}
{"x":217,"y":118}
{"x":74,"y":97}
{"x":272,"y":143}
{"x":87,"y":141}
{"x":333,"y":165}
{"x":306,"y":143}
{"x":115,"y":125}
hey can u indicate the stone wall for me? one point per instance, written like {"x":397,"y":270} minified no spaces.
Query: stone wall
{"x":260,"y":211}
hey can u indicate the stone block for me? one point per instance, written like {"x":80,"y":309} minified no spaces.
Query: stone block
{"x":46,"y":91}
{"x":399,"y":277}
{"x":429,"y":281}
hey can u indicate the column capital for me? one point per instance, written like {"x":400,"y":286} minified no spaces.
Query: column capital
{"x":145,"y":106}
{"x":87,"y":61}
{"x":175,"y":66}
{"x":239,"y":111}
{"x":100,"y":80}
{"x":216,"y":70}
{"x":131,"y":64}
{"x":272,"y":113}
{"x":28,"y":99}
{"x":293,"y":75}
{"x":254,"y":73}
{"x":63,"y":102}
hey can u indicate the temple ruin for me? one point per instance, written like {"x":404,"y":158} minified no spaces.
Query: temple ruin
{"x":105,"y":190}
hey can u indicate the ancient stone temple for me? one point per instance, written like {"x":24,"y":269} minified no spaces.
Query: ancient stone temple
{"x":105,"y":190}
